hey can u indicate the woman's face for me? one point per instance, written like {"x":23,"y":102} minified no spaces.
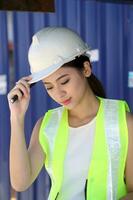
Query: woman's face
{"x":67,"y":86}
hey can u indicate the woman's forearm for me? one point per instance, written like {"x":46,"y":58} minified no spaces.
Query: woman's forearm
{"x":20,"y":170}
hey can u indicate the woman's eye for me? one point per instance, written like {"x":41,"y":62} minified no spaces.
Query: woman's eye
{"x":48,"y":88}
{"x":63,"y":83}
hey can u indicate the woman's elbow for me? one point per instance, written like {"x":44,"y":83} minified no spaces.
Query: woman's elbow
{"x":20,"y":186}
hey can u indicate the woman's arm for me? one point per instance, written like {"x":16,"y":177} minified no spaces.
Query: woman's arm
{"x":129,"y":162}
{"x":25,"y":164}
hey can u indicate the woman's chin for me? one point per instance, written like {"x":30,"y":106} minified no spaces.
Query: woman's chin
{"x":69,"y":106}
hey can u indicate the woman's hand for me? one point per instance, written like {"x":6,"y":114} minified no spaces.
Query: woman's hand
{"x":22,"y":90}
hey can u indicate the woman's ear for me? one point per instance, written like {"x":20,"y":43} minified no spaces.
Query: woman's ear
{"x":87,"y":69}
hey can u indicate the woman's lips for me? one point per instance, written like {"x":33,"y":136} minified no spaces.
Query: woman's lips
{"x":66,"y":102}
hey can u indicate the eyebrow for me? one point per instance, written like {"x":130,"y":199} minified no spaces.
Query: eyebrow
{"x":57,"y":78}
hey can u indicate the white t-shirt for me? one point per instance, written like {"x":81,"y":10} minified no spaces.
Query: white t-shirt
{"x":77,"y":162}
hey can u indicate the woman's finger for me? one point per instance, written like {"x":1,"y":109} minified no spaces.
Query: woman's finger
{"x":24,"y":83}
{"x":14,"y":92}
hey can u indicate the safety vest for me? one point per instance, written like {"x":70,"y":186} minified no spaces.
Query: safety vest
{"x":105,"y":179}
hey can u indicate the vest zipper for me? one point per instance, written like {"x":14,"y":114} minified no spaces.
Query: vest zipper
{"x":56,"y":195}
{"x":86,"y":189}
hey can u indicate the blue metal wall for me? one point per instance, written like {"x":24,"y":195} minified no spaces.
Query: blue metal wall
{"x":4,"y":111}
{"x":128,"y":92}
{"x":104,"y":26}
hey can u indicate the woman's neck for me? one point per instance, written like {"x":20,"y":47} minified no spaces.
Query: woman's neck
{"x":84,"y":112}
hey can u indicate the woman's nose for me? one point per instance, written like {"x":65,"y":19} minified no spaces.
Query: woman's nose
{"x":60,"y":93}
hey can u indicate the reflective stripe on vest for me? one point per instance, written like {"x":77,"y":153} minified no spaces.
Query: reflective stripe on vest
{"x":113,"y":140}
{"x":105,"y":174}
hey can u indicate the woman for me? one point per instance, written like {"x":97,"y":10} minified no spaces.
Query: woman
{"x":84,"y":143}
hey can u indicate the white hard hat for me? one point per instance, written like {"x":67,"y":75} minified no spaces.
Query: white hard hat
{"x":52,"y":47}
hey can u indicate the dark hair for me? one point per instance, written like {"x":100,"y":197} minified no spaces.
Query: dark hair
{"x":94,"y":83}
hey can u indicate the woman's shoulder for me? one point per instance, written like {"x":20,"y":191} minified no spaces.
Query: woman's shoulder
{"x":39,"y":121}
{"x":129,"y":117}
{"x":129,"y":162}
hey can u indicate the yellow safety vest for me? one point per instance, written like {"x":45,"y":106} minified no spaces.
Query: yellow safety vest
{"x":105,"y":179}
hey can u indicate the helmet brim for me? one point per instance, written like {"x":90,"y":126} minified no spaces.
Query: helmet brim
{"x":37,"y":76}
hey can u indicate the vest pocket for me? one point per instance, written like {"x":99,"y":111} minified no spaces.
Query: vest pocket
{"x":56,"y":195}
{"x":86,"y":189}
